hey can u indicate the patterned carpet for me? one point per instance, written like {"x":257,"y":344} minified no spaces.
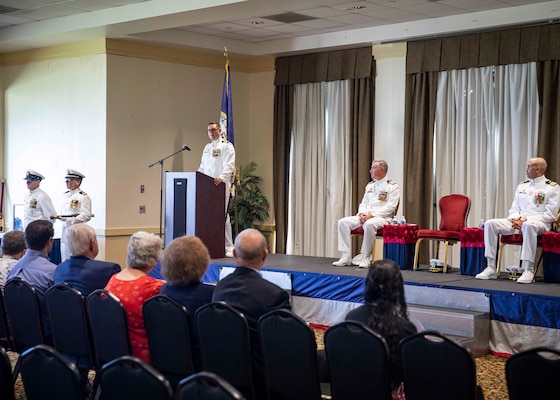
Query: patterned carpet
{"x":490,"y":373}
{"x":489,"y":370}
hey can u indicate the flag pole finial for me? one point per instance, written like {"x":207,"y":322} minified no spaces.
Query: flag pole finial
{"x":225,"y":52}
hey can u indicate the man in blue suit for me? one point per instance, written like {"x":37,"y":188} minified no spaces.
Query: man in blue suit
{"x":81,"y":271}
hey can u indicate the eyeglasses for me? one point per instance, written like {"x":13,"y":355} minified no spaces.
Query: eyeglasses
{"x":213,"y":129}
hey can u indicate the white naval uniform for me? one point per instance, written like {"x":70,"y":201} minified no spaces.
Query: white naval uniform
{"x":75,"y":202}
{"x":38,"y":205}
{"x":218,"y":160}
{"x":537,"y":200}
{"x":381,"y":199}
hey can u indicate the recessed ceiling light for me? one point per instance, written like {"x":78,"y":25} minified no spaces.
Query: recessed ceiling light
{"x":357,"y":7}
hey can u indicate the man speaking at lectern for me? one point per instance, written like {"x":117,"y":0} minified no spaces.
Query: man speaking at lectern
{"x":218,"y":161}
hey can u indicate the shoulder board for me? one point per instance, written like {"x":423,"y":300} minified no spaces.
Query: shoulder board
{"x":391,"y":182}
{"x":551,"y":183}
{"x":522,"y":182}
{"x":370,"y":182}
{"x":67,"y":192}
{"x":83,"y":193}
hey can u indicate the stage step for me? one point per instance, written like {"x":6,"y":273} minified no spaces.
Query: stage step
{"x":471,"y":328}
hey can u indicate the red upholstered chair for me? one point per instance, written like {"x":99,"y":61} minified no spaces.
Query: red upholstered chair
{"x":515,"y":239}
{"x":454,"y":209}
{"x":379,"y":234}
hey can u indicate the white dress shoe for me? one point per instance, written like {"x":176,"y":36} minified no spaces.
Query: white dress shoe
{"x":366,"y":262}
{"x":344,"y":260}
{"x":526,"y":277}
{"x":488,"y":273}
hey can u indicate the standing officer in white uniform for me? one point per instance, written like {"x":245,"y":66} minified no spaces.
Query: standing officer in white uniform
{"x":218,"y":161}
{"x":76,"y":207}
{"x":532,"y":212}
{"x":38,"y":204}
{"x":380,"y":202}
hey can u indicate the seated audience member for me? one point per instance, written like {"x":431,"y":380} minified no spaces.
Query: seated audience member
{"x":35,"y":267}
{"x":133,"y":286}
{"x":13,"y":248}
{"x":184,"y":262}
{"x":81,"y":271}
{"x":247,"y":291}
{"x":385,"y":312}
{"x":245,"y":288}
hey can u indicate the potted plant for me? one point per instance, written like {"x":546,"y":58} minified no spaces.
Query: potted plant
{"x":249,"y":206}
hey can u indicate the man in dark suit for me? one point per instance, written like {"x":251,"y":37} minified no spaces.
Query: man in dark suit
{"x":81,"y":271}
{"x":247,"y":291}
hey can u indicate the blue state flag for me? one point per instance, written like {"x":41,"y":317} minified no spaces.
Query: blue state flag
{"x":226,"y":115}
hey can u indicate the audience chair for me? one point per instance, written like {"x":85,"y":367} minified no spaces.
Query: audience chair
{"x":6,"y":377}
{"x":454,"y":210}
{"x":69,"y":323}
{"x":225,"y":345}
{"x":515,"y":239}
{"x":533,"y":374}
{"x":167,"y":326}
{"x":206,"y":386}
{"x":129,"y":378}
{"x":437,"y":368}
{"x":290,"y":356}
{"x":359,"y":362}
{"x":109,"y":328}
{"x":379,"y":234}
{"x":5,"y":332}
{"x":47,"y":374}
{"x":22,"y":307}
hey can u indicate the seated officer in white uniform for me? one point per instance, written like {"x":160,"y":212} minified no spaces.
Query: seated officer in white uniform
{"x":532,"y":212}
{"x":380,"y":201}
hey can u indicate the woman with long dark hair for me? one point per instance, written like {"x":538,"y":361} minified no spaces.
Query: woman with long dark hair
{"x":385,"y":312}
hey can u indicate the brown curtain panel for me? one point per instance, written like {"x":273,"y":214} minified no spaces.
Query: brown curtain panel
{"x":355,"y":64}
{"x":511,"y":46}
{"x":420,"y":110}
{"x":362,"y":123}
{"x":283,"y":116}
{"x":548,"y":73}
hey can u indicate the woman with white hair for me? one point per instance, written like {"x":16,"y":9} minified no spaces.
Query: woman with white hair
{"x":133,"y":286}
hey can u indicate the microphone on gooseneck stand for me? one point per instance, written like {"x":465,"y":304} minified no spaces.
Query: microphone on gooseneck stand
{"x":185,"y":147}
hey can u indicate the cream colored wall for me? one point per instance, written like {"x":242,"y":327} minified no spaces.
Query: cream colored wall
{"x":260,"y":146}
{"x":55,"y":119}
{"x":111,"y":115}
{"x":154,"y":107}
{"x":390,"y":84}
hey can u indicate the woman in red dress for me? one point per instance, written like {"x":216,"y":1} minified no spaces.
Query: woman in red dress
{"x":133,"y":287}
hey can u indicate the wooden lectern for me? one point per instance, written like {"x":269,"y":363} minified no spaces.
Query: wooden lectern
{"x":194,"y":205}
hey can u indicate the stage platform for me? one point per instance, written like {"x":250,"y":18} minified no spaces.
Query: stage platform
{"x":519,"y":316}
